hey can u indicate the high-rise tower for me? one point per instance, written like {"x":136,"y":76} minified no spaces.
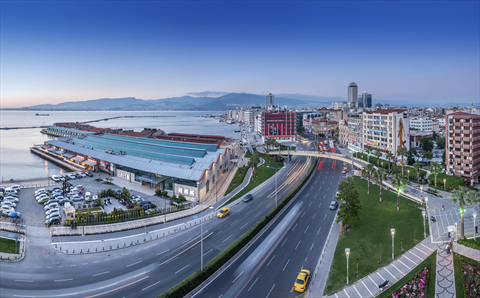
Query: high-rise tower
{"x":353,"y":95}
{"x":269,"y":100}
{"x":367,"y":99}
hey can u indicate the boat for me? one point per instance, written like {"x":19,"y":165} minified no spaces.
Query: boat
{"x":38,"y":114}
{"x":237,"y":130}
{"x":229,"y":121}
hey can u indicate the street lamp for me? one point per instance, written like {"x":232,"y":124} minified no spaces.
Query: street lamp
{"x":393,"y":236}
{"x":474,"y":225}
{"x":444,"y":185}
{"x":201,"y":244}
{"x":408,"y":175}
{"x":424,"y":229}
{"x":426,"y":202}
{"x":347,"y":252}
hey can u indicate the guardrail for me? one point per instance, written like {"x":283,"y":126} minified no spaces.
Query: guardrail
{"x":12,"y":227}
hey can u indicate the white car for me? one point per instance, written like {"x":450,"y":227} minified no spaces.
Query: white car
{"x":48,"y":212}
{"x":10,"y":191}
{"x":76,"y":198}
{"x":42,"y":196}
{"x":15,"y":187}
{"x":52,"y":215}
{"x":6,"y":209}
{"x":8,"y":203}
{"x":88,"y":195}
{"x":39,"y":191}
{"x":72,"y":176}
{"x":78,"y":187}
{"x":56,"y":178}
{"x":83,"y":174}
{"x":51,"y":206}
{"x":11,"y":199}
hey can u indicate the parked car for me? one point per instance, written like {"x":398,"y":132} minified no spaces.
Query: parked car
{"x":62,"y":201}
{"x":55,"y":188}
{"x":88,"y":195}
{"x":56,"y":178}
{"x":42,"y":196}
{"x":302,"y":280}
{"x":15,"y":187}
{"x":67,"y":177}
{"x":6,"y":209}
{"x":10,"y":191}
{"x":53,"y":214}
{"x":48,"y":212}
{"x":12,"y":199}
{"x":150,"y":211}
{"x":51,"y":206}
{"x":89,"y":174}
{"x":56,"y":195}
{"x":118,"y":191}
{"x":176,"y":204}
{"x":144,"y":203}
{"x":78,"y":175}
{"x":128,"y":205}
{"x":53,"y":221}
{"x":247,"y":198}
{"x":78,"y":188}
{"x":72,"y":176}
{"x":223,"y":212}
{"x":149,"y":206}
{"x":50,"y":202}
{"x":333,"y":205}
{"x":76,"y":198}
{"x":8,"y":203}
{"x":41,"y":190}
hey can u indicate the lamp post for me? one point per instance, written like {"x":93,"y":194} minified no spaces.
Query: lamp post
{"x":456,"y":233}
{"x":474,"y":225}
{"x":347,"y":252}
{"x":444,"y":185}
{"x":424,"y":229}
{"x":426,"y":202}
{"x":408,"y":175}
{"x":393,"y":236}
{"x":201,"y":244}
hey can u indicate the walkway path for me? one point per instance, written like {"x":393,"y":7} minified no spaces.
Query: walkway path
{"x":445,"y":280}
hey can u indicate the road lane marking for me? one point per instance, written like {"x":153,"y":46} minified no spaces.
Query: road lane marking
{"x":325,"y":217}
{"x":22,"y":280}
{"x":284,"y":241}
{"x":312,"y":246}
{"x":237,"y":277}
{"x":162,"y":252}
{"x":298,"y":244}
{"x":182,"y":268}
{"x":305,"y":261}
{"x":227,"y":238}
{"x":58,"y":280}
{"x":286,"y":265}
{"x":100,"y":294}
{"x":314,"y":215}
{"x":96,"y":261}
{"x":243,"y":226}
{"x":134,"y":263}
{"x":319,"y":230}
{"x":271,"y":260}
{"x":306,"y":230}
{"x":257,"y":214}
{"x":294,"y":227}
{"x":171,"y":260}
{"x":150,"y":286}
{"x":73,"y":265}
{"x":252,"y":284}
{"x":207,"y":252}
{"x":174,"y":257}
{"x":270,"y":291}
{"x":101,"y":273}
{"x":307,"y":194}
{"x":304,"y":213}
{"x":187,"y":240}
{"x":319,"y":205}
{"x":234,"y":222}
{"x":249,"y":212}
{"x":22,"y":296}
{"x":315,"y":195}
{"x":216,"y":234}
{"x":309,"y":204}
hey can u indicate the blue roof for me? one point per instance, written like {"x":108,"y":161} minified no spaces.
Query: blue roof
{"x":208,"y":147}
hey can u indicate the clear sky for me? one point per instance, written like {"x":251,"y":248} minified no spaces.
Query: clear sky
{"x":56,"y":51}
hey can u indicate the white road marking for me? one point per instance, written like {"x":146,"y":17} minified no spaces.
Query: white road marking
{"x":243,"y":226}
{"x":182,"y":268}
{"x":298,"y":244}
{"x":312,"y":246}
{"x":134,"y":263}
{"x":307,"y":194}
{"x":304,"y":213}
{"x":306,"y":230}
{"x":286,"y":265}
{"x":73,"y":265}
{"x":325,"y":217}
{"x":171,"y":260}
{"x":163,"y":252}
{"x":270,"y":291}
{"x":314,"y":215}
{"x":257,"y":214}
{"x":319,"y":230}
{"x":249,"y":212}
{"x":319,"y":205}
{"x":284,"y":241}
{"x":186,"y":241}
{"x":270,"y":260}
{"x":57,"y":280}
{"x":252,"y":284}
{"x":227,"y":238}
{"x":96,"y":261}
{"x":366,"y":288}
{"x":150,"y":286}
{"x":269,"y":205}
{"x":216,"y":234}
{"x":294,"y":227}
{"x":22,"y":280}
{"x":234,"y":222}
{"x":101,"y":273}
{"x":315,"y":195}
{"x":22,"y":296}
{"x":237,"y":277}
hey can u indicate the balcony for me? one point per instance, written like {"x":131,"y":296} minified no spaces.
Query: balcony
{"x":466,"y":131}
{"x":456,"y":123}
{"x":467,"y":154}
{"x":459,"y":146}
{"x":466,"y":139}
{"x":458,"y":168}
{"x":466,"y":169}
{"x":457,"y":138}
{"x":459,"y":131}
{"x":458,"y":160}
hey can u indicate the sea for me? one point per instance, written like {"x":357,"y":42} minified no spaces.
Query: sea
{"x":18,"y":163}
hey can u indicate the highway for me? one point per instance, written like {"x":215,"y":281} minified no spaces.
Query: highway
{"x":270,"y":266}
{"x":145,"y":270}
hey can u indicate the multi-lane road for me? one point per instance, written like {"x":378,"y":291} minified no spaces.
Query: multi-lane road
{"x":150,"y":269}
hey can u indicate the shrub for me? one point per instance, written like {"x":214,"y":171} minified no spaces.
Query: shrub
{"x":182,"y":198}
{"x":164,"y":193}
{"x":158,"y":192}
{"x":452,"y":182}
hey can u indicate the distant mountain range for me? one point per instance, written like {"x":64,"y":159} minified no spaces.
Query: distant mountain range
{"x":205,"y":103}
{"x":221,"y":103}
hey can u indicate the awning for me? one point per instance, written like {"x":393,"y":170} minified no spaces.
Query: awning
{"x":76,"y":158}
{"x":68,"y":155}
{"x":151,"y":180}
{"x":87,"y":162}
{"x":57,"y":151}
{"x":44,"y":147}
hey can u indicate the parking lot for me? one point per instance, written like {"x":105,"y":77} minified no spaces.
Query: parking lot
{"x":33,"y":213}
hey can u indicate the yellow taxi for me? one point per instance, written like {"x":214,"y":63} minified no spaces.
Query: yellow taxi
{"x":223,"y":212}
{"x":302,"y":280}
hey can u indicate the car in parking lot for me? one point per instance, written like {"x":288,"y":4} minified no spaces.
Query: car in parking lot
{"x":78,"y":187}
{"x":223,"y":212}
{"x":67,"y":177}
{"x":57,"y":178}
{"x":88,"y":195}
{"x":41,"y":190}
{"x":6,"y":209}
{"x":53,"y":214}
{"x":62,"y":201}
{"x":71,"y":176}
{"x":247,"y":198}
{"x":50,"y":202}
{"x":149,"y":206}
{"x":9,"y":204}
{"x":76,"y":198}
{"x":43,"y":200}
{"x":48,"y":212}
{"x":77,"y":175}
{"x":302,"y":280}
{"x":55,"y":188}
{"x":53,"y":221}
{"x":51,"y":206}
{"x":344,"y":171}
{"x":56,"y":195}
{"x":89,"y":174}
{"x":128,"y":205}
{"x":15,"y":187}
{"x":150,"y":211}
{"x":333,"y":205}
{"x":11,"y":199}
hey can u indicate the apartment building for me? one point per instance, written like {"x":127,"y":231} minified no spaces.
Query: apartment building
{"x":462,"y":156}
{"x":386,"y":130}
{"x":355,"y":132}
{"x":343,"y":132}
{"x":325,"y":127}
{"x":421,"y":124}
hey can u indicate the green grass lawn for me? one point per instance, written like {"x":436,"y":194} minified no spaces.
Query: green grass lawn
{"x":237,"y":179}
{"x":475,"y":244}
{"x":8,"y":246}
{"x":370,"y":239}
{"x":431,"y":263}
{"x":264,"y":172}
{"x":457,"y":263}
{"x":248,"y":154}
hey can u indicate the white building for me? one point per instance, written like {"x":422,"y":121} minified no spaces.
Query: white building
{"x":422,"y":124}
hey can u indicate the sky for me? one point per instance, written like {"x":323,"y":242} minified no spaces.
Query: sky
{"x":57,"y":51}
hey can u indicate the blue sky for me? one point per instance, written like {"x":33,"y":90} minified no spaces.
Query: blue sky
{"x":56,"y":51}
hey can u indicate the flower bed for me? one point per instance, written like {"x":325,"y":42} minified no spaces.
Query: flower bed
{"x":415,"y":287}
{"x":471,"y":279}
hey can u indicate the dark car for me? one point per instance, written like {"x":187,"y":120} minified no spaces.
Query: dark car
{"x":66,"y":177}
{"x":118,"y":191}
{"x":89,"y":174}
{"x":62,"y":201}
{"x":53,"y":221}
{"x":176,"y":204}
{"x":247,"y":198}
{"x":2,"y":189}
{"x":128,"y":205}
{"x":149,"y":206}
{"x":78,"y":175}
{"x":144,"y":203}
{"x":54,"y":188}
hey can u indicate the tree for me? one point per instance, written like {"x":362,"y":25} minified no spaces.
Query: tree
{"x":411,"y":155}
{"x":164,"y":193}
{"x":390,"y":157}
{"x":428,"y":155}
{"x":300,"y":129}
{"x":436,"y":169}
{"x":350,"y":206}
{"x":368,"y":171}
{"x":399,"y":182}
{"x":368,"y":148}
{"x":380,"y":175}
{"x":426,"y":143}
{"x":440,"y":141}
{"x":402,"y":152}
{"x":443,"y":158}
{"x":253,"y":162}
{"x":377,"y":154}
{"x":268,"y":145}
{"x":434,"y":135}
{"x":418,"y":165}
{"x":462,"y":196}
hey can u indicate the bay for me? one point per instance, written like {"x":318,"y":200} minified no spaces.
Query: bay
{"x":18,"y":163}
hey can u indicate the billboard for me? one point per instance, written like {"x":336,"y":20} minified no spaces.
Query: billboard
{"x":403,"y":132}
{"x":279,"y":124}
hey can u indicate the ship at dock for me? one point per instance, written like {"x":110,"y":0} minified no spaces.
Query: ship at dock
{"x":38,"y":114}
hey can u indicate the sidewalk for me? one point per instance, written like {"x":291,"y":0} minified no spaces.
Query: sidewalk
{"x":445,"y":275}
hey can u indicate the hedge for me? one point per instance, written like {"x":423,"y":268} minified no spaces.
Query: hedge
{"x":194,"y":280}
{"x":373,"y":160}
{"x":475,"y":244}
{"x":413,"y":172}
{"x":452,"y":182}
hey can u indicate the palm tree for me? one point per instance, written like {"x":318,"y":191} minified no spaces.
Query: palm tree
{"x":368,"y":148}
{"x":377,"y":154}
{"x":368,"y":171}
{"x":390,"y":158}
{"x":398,"y":182}
{"x":402,"y":152}
{"x":436,"y":169}
{"x":462,"y":196}
{"x":418,"y":165}
{"x":268,"y":145}
{"x":253,"y":162}
{"x":380,"y":175}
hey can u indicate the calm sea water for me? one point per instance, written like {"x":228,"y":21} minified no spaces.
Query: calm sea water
{"x":17,"y":162}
